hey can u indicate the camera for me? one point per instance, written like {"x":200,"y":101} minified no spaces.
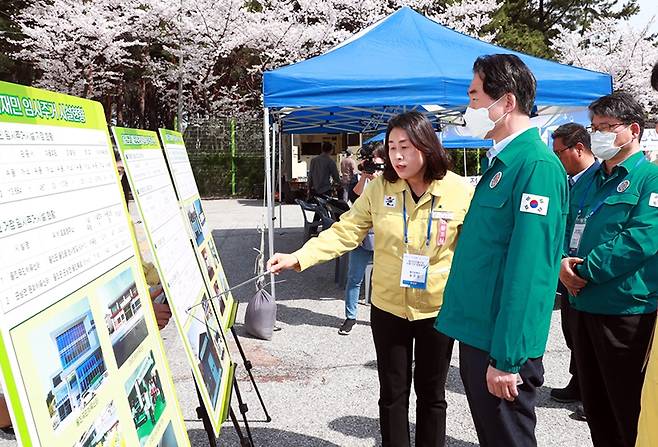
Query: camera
{"x":368,"y":164}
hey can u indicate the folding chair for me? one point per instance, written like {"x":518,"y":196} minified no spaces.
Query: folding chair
{"x":319,"y":219}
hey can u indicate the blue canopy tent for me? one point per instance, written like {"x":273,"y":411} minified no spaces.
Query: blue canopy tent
{"x":403,"y":62}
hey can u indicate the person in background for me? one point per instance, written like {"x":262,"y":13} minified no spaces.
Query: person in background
{"x":361,"y":256}
{"x":571,"y":143}
{"x":647,"y":430}
{"x":415,"y":209}
{"x":611,"y":271}
{"x":322,"y":172}
{"x":348,"y":175}
{"x":501,"y":290}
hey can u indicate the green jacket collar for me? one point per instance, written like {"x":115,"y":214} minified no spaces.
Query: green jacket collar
{"x":622,"y":168}
{"x":511,"y":151}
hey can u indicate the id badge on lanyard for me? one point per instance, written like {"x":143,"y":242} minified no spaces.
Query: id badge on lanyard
{"x":577,"y":235}
{"x":414,"y":271}
{"x":415,"y":267}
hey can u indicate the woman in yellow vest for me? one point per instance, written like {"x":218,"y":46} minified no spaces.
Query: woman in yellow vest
{"x":416,"y":209}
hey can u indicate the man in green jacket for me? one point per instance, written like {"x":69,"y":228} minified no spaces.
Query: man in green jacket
{"x":611,"y":272}
{"x":500,"y":293}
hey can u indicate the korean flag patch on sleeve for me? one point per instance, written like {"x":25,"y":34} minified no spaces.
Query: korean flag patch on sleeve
{"x":533,"y":204}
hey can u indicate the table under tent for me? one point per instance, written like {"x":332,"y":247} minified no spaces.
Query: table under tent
{"x":403,"y":62}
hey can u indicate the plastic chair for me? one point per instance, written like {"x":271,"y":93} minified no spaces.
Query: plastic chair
{"x":335,"y":207}
{"x":311,"y":227}
{"x":321,"y":218}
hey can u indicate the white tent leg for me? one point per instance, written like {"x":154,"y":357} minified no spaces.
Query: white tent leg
{"x":273,"y":164}
{"x":268,"y":191}
{"x":465,"y":172}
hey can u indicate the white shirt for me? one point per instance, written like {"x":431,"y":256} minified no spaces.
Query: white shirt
{"x":574,"y":178}
{"x":502,"y":144}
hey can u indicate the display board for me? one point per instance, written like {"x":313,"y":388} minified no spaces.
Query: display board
{"x":82,"y":359}
{"x":200,"y":233}
{"x":179,"y":270}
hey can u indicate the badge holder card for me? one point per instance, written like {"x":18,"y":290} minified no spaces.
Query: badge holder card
{"x":82,"y":361}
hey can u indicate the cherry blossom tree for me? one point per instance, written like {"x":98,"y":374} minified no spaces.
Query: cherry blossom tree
{"x":617,"y":48}
{"x":78,"y":47}
{"x":135,"y":55}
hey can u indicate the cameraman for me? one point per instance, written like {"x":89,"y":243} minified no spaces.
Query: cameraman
{"x":361,"y":256}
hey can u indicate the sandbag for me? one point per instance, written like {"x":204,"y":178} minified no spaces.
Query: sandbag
{"x":260,"y":317}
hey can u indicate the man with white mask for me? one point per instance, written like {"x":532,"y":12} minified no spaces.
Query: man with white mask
{"x":499,"y":295}
{"x":611,"y":272}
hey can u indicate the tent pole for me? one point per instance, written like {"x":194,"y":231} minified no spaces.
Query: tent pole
{"x":268,"y":190}
{"x":273,"y":179}
{"x":280,"y":179}
{"x":465,"y":172}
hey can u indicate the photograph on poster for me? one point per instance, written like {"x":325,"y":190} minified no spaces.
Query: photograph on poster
{"x":213,"y":328}
{"x":71,"y":364}
{"x":199,"y":212}
{"x":124,"y":316}
{"x":197,"y":220}
{"x":168,"y":438}
{"x":220,"y":300}
{"x":145,"y":397}
{"x":206,"y":353}
{"x":104,"y":432}
{"x":213,"y":251}
{"x":209,"y":262}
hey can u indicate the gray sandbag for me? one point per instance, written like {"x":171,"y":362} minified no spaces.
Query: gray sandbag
{"x":260,"y":317}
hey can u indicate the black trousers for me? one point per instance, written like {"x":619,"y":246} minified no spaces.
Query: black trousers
{"x":497,"y":421}
{"x":397,"y":342}
{"x":610,"y":352}
{"x":566,"y":313}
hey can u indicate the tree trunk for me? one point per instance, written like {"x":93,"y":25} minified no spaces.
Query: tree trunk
{"x":142,"y":102}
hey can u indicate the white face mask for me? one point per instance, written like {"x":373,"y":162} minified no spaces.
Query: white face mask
{"x":478,"y":123}
{"x":603,"y":144}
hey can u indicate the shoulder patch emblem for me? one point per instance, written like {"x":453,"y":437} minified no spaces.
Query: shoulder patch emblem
{"x":534,"y":204}
{"x":389,"y":201}
{"x":495,"y":180}
{"x":653,"y":200}
{"x":623,"y":186}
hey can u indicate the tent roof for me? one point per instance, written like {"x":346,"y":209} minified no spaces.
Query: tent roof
{"x":408,"y":59}
{"x":449,"y":140}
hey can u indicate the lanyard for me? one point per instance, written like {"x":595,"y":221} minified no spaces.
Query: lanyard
{"x":404,"y":218}
{"x":599,"y":204}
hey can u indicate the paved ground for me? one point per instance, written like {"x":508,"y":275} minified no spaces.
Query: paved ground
{"x":321,"y":388}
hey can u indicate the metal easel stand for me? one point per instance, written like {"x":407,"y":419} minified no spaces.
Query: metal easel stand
{"x":202,"y":414}
{"x":242,"y":407}
{"x":248,"y":366}
{"x":207,"y":425}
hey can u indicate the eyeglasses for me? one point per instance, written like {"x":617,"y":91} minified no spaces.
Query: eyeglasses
{"x":559,"y":153}
{"x":603,"y":127}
